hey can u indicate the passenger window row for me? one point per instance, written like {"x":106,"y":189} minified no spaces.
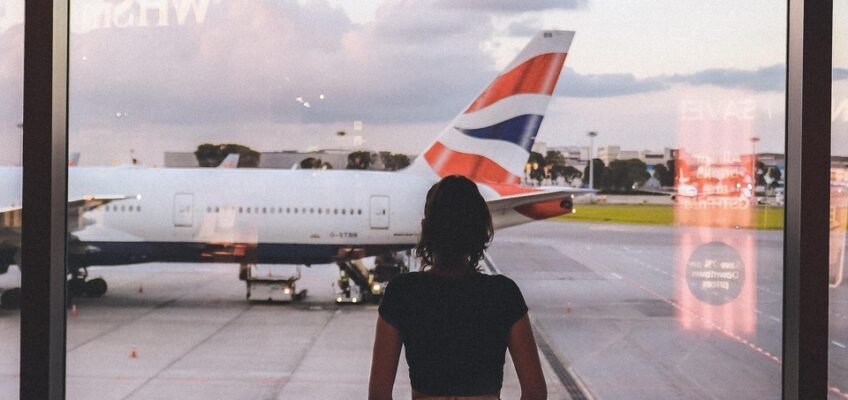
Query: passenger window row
{"x":288,"y":210}
{"x":121,"y":208}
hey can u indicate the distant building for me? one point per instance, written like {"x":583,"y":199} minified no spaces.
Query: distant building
{"x":290,"y":158}
{"x":174,"y":159}
{"x":540,"y":147}
{"x":575,"y":156}
{"x":776,"y":159}
{"x":608,"y":154}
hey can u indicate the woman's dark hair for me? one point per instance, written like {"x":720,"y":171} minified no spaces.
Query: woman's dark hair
{"x":457,"y":226}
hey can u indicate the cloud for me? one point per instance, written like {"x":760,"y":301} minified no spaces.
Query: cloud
{"x":523,"y":28}
{"x":251,"y":59}
{"x":771,"y":78}
{"x":573,"y":84}
{"x":508,"y":6}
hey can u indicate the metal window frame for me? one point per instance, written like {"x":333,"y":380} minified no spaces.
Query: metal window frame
{"x":44,"y":197}
{"x":805,"y":298}
{"x":806,"y":229}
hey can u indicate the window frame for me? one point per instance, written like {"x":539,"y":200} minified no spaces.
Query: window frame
{"x":805,"y":297}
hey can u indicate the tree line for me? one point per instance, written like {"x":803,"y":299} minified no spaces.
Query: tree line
{"x":619,"y":176}
{"x":212,"y":155}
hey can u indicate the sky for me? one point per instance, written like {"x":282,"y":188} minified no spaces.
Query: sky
{"x":187,"y":72}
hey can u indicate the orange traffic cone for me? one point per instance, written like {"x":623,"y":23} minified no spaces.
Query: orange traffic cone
{"x":73,"y":310}
{"x":133,"y":353}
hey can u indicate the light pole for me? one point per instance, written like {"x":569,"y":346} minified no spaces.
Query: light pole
{"x":592,"y":135}
{"x":754,"y":141}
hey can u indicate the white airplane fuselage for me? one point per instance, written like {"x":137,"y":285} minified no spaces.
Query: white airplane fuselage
{"x":276,"y":216}
{"x":240,"y":215}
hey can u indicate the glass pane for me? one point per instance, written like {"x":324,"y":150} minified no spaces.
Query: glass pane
{"x":11,"y":117}
{"x":837,"y":351}
{"x":222,"y":144}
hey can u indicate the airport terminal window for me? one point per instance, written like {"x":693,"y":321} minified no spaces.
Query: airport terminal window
{"x":666,"y":123}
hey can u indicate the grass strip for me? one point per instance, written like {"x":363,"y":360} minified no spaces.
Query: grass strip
{"x":767,"y":217}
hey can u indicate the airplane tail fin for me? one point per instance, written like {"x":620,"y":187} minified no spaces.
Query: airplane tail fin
{"x":490,"y":141}
{"x":231,"y":161}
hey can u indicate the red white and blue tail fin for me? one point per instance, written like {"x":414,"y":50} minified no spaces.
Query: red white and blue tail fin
{"x":490,"y":141}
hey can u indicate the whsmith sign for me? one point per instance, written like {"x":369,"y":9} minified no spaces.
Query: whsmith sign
{"x":89,"y":15}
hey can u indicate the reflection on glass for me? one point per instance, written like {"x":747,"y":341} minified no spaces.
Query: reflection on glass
{"x":221,"y":147}
{"x":838,"y":333}
{"x":11,"y":117}
{"x":716,"y":268}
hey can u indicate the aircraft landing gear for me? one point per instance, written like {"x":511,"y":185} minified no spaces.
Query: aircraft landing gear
{"x":79,"y":285}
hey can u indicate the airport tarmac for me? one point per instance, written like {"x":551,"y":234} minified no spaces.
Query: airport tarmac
{"x":196,"y":337}
{"x":605,"y":299}
{"x":604,"y":295}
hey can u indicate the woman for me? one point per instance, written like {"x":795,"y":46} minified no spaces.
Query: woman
{"x":455,"y":322}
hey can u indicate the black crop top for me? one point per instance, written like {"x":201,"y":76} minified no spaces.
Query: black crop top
{"x":455,"y":330}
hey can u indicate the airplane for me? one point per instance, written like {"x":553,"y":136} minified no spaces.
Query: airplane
{"x":249,"y":216}
{"x":230,"y":161}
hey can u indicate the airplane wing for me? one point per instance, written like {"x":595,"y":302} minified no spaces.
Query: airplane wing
{"x":666,"y":190}
{"x":10,"y":217}
{"x":669,"y":191}
{"x":522,"y":199}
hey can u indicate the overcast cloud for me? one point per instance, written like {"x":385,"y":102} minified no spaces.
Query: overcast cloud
{"x":258,"y":62}
{"x":512,"y":6}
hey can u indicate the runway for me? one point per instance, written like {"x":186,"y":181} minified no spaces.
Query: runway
{"x":605,"y":298}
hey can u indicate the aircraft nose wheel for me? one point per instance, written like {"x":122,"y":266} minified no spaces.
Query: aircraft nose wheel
{"x":96,"y":287}
{"x":78,"y":287}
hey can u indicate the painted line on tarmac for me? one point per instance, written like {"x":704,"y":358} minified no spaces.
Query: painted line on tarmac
{"x":569,"y":380}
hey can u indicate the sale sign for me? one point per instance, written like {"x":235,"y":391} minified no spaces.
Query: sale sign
{"x":716,"y":260}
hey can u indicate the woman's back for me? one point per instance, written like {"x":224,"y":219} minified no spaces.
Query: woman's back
{"x":455,"y":323}
{"x":455,"y":330}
